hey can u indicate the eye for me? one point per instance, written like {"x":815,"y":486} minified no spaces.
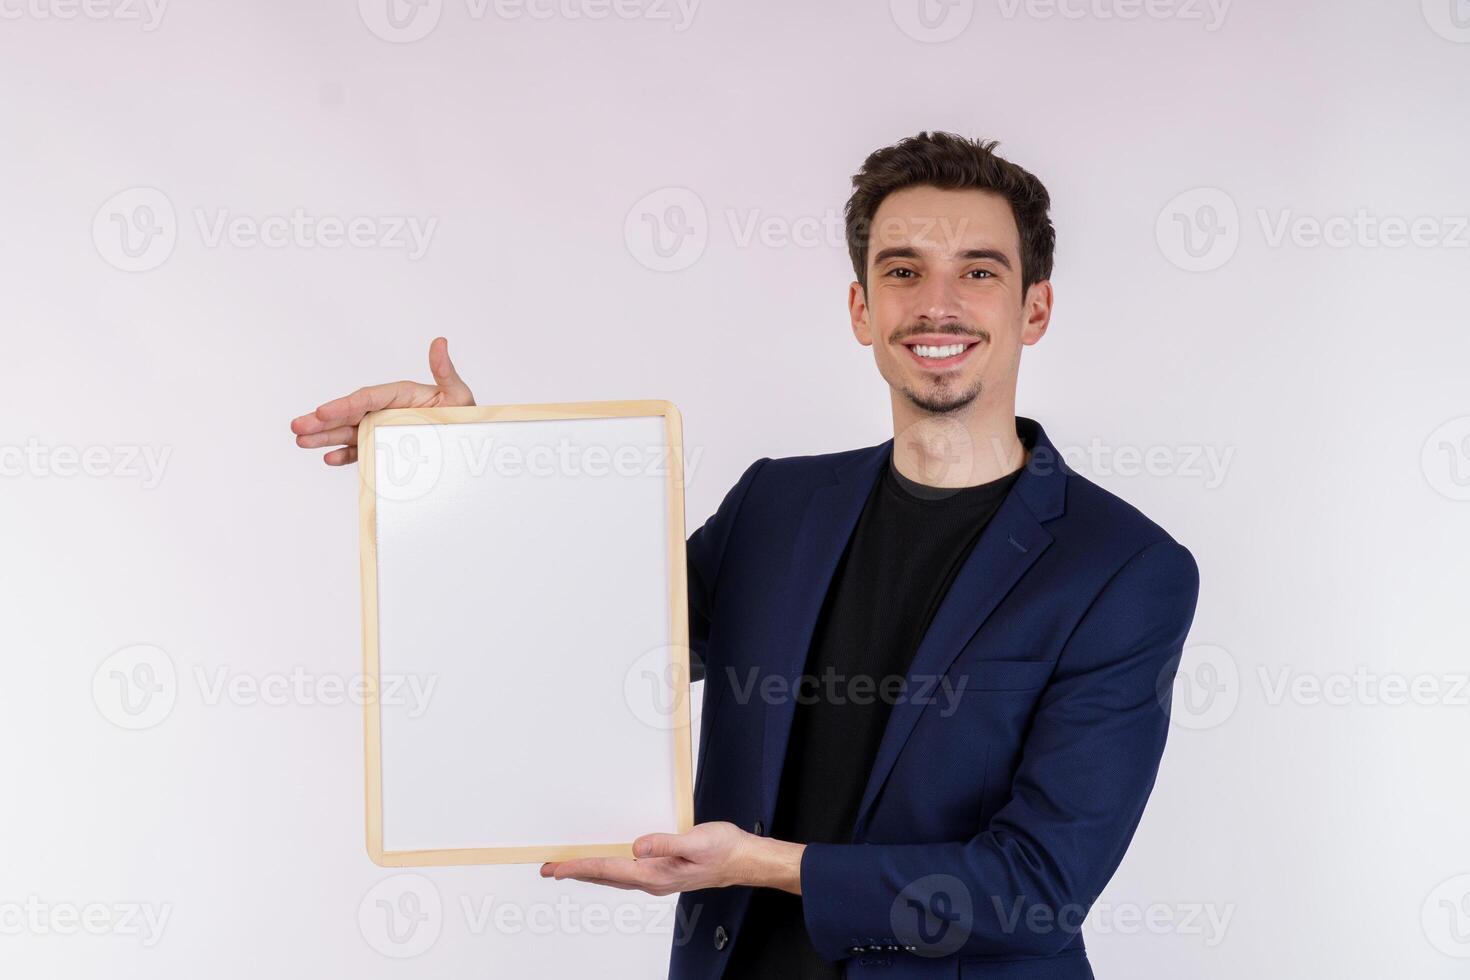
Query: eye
{"x":977,"y":273}
{"x":901,"y":273}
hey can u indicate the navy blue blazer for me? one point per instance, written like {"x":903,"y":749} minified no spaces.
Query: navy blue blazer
{"x":1017,"y":760}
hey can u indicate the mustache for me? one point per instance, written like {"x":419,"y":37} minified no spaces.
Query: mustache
{"x":963,"y":332}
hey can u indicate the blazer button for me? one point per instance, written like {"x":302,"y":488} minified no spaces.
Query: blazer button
{"x":760,"y":829}
{"x":721,"y":937}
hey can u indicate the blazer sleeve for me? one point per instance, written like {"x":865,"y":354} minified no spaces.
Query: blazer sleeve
{"x":704,"y":555}
{"x":1087,"y":767}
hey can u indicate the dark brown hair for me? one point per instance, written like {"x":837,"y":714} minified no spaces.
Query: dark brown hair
{"x":951,"y":162}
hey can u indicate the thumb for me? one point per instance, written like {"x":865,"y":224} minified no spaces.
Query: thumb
{"x":442,"y":368}
{"x":660,"y":845}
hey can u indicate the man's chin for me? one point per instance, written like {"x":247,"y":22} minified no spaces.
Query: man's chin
{"x":941,"y":399}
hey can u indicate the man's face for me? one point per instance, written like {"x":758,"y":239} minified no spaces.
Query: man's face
{"x":944,"y":310}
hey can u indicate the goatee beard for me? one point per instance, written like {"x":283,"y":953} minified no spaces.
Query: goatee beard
{"x":944,"y":403}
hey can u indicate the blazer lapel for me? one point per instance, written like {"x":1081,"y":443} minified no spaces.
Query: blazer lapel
{"x":831,"y":515}
{"x":1008,"y":546}
{"x":1005,"y":550}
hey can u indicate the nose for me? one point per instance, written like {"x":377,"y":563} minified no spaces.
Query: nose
{"x":938,"y":300}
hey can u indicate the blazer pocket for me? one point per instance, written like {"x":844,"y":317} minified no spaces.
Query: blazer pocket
{"x":1002,"y":675}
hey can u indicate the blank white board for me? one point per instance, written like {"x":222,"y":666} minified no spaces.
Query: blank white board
{"x":525,"y":631}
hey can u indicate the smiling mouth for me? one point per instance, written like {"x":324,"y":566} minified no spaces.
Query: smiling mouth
{"x":937,"y":356}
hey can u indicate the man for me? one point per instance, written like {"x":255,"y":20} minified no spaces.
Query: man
{"x":937,"y":669}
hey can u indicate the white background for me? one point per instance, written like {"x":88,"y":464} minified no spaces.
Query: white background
{"x":1326,"y":381}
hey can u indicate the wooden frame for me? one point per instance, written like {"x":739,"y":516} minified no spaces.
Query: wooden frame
{"x":679,"y":721}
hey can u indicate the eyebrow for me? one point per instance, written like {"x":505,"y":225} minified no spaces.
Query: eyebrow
{"x":969,"y":255}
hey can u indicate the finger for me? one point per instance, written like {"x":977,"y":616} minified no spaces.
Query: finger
{"x":349,"y":409}
{"x":310,"y":422}
{"x":625,"y":886}
{"x":662,"y":845}
{"x":341,"y":457}
{"x":445,"y":376}
{"x":624,"y":870}
{"x":342,"y":435}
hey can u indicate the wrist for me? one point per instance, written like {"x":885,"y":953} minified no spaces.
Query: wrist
{"x":776,"y":864}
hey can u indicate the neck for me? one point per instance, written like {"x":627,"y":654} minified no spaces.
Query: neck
{"x":975,"y":445}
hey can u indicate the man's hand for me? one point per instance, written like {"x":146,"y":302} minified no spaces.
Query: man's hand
{"x":335,"y":423}
{"x":712,"y":855}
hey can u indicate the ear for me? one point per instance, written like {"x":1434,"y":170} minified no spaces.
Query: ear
{"x":1038,"y":312}
{"x":857,"y":309}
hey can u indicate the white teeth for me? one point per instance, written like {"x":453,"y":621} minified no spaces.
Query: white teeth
{"x":949,"y":350}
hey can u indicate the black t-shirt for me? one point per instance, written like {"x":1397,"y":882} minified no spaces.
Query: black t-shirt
{"x":909,"y":544}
